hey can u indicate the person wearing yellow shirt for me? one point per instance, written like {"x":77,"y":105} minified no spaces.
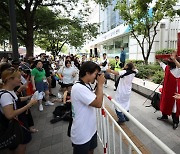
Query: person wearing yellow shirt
{"x":116,"y":68}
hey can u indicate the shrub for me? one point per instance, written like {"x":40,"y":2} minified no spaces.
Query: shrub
{"x":158,"y":77}
{"x":112,"y":63}
{"x":165,"y":51}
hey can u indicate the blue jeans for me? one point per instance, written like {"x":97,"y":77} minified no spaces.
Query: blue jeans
{"x":122,"y":117}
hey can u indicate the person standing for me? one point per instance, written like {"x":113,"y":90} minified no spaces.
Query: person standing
{"x":124,"y":88}
{"x":84,"y":101}
{"x":117,"y":68}
{"x":122,"y":57}
{"x":47,"y":68}
{"x":171,"y":85}
{"x":104,"y":66}
{"x":40,"y":83}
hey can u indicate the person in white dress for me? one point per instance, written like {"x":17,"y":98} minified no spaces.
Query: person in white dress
{"x":123,"y":92}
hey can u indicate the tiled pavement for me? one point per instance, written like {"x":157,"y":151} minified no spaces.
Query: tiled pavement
{"x":53,"y":139}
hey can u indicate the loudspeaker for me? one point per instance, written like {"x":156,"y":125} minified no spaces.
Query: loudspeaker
{"x":91,"y":53}
{"x":95,"y":52}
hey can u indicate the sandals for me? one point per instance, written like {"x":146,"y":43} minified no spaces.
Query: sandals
{"x":33,"y":130}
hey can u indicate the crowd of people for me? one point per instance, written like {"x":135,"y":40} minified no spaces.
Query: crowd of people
{"x":29,"y":82}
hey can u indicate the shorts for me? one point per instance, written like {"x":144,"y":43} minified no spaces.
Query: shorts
{"x":66,"y":85}
{"x":41,"y":86}
{"x":86,"y":147}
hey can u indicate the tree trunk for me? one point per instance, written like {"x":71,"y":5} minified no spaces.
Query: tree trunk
{"x":29,"y":42}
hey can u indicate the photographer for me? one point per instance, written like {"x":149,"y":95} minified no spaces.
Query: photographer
{"x":84,"y":101}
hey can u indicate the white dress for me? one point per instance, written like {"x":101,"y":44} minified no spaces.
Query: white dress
{"x":123,"y":92}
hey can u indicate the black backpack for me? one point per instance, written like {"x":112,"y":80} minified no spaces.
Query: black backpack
{"x":156,"y":101}
{"x":11,"y":134}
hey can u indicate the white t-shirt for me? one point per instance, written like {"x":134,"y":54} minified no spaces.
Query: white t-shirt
{"x":67,"y":74}
{"x":123,"y":92}
{"x":104,"y":68}
{"x":7,"y":99}
{"x":84,"y":116}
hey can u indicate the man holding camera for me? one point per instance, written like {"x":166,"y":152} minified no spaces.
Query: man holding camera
{"x":84,"y":101}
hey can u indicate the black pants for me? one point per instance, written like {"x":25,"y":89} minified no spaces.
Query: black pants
{"x":174,"y":118}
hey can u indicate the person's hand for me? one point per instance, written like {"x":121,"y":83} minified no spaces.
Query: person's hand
{"x":108,"y":70}
{"x":101,"y":79}
{"x":173,"y":55}
{"x":34,"y":88}
{"x":73,"y":75}
{"x":176,"y":96}
{"x":33,"y":102}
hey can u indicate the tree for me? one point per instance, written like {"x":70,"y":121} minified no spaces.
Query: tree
{"x":33,"y":16}
{"x":143,"y":18}
{"x":68,"y":31}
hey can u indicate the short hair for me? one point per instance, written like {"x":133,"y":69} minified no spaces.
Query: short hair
{"x":89,"y":67}
{"x":117,"y":57}
{"x":104,"y":54}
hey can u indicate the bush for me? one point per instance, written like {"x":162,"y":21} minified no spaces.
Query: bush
{"x":158,"y":77}
{"x":165,"y":51}
{"x":147,"y":71}
{"x":112,"y":63}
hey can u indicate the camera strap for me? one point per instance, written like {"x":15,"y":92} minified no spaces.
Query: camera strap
{"x":82,"y":82}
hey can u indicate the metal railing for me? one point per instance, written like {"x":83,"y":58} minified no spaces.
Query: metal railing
{"x":113,"y":142}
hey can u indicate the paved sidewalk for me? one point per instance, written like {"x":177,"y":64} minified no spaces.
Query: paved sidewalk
{"x":145,"y":115}
{"x":53,"y":139}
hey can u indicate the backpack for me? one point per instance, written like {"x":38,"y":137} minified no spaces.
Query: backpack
{"x":155,"y":102}
{"x":62,"y":112}
{"x":11,"y":133}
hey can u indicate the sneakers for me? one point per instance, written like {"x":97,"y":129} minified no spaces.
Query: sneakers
{"x":48,"y":103}
{"x":162,"y":118}
{"x":105,"y":85}
{"x":40,"y":107}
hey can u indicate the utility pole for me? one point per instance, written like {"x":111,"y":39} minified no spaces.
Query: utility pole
{"x":13,"y":26}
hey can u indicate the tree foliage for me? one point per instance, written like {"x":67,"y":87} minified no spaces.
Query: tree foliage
{"x":143,"y":18}
{"x":36,"y":16}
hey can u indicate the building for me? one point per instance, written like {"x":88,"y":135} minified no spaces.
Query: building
{"x":113,"y":35}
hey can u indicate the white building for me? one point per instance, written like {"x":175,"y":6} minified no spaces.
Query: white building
{"x":113,"y":35}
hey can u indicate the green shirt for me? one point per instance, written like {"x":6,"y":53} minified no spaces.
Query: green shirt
{"x":38,"y":75}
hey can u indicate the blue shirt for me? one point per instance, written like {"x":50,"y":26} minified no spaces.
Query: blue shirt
{"x":123,"y":56}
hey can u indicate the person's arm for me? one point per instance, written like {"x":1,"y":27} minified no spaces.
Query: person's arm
{"x":33,"y":83}
{"x":10,"y":113}
{"x":25,"y":98}
{"x":173,"y":57}
{"x":99,"y":92}
{"x":112,"y":71}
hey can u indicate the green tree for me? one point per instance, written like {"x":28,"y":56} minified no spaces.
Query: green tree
{"x":33,"y":16}
{"x":143,"y":18}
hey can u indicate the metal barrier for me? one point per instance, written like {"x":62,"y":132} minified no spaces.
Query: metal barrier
{"x":114,"y":144}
